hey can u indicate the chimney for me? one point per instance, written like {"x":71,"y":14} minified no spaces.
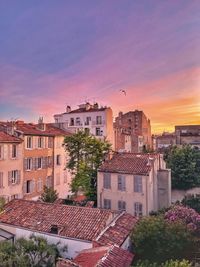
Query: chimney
{"x":41,"y":124}
{"x":68,"y":109}
{"x":87,"y":106}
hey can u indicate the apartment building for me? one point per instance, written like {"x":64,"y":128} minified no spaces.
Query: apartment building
{"x":11,"y":166}
{"x":136,"y":183}
{"x":96,"y":120}
{"x":188,"y":134}
{"x":43,"y":156}
{"x":132,"y":132}
{"x":62,"y":175}
{"x":183,"y":135}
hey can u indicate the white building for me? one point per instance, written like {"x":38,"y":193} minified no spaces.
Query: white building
{"x":136,"y":183}
{"x":98,"y":121}
{"x":77,"y":228}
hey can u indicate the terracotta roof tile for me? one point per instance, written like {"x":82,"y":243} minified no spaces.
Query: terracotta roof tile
{"x":75,"y":222}
{"x":128,"y":163}
{"x":6,"y":138}
{"x":107,"y":256}
{"x":117,"y":232}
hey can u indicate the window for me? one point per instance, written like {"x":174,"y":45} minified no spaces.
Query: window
{"x":98,"y":120}
{"x":107,"y":180}
{"x":58,"y":179}
{"x":121,"y":205}
{"x":1,"y":179}
{"x":50,"y":162}
{"x":39,"y":163}
{"x":14,"y":151}
{"x":78,"y":121}
{"x":39,"y":185}
{"x":138,"y":184}
{"x":107,"y":203}
{"x":88,"y":119}
{"x":14,"y":176}
{"x":58,"y":160}
{"x":138,"y":209}
{"x":28,"y":164}
{"x":29,"y":186}
{"x":121,"y":182}
{"x":49,"y":181}
{"x":50,"y":142}
{"x":29,"y":143}
{"x":14,"y":197}
{"x":40,"y":142}
{"x":1,"y":151}
{"x":98,"y":132}
{"x":71,"y":121}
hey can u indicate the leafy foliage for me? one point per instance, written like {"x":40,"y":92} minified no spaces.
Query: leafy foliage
{"x":192,"y":202}
{"x":184,"y":163}
{"x":86,"y":154}
{"x":34,"y":252}
{"x":170,"y":263}
{"x":158,"y":240}
{"x":49,"y":195}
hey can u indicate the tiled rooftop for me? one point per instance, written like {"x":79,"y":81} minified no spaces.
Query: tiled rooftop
{"x":33,"y":129}
{"x":75,"y":222}
{"x":129,"y":163}
{"x":6,"y":138}
{"x":118,"y":231}
{"x":107,"y":256}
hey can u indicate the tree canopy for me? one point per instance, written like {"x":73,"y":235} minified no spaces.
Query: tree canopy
{"x":184,"y":163}
{"x":86,"y":154}
{"x":33,"y":252}
{"x":49,"y":195}
{"x":158,"y":240}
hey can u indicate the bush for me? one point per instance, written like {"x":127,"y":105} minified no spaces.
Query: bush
{"x":159,"y":240}
{"x":192,"y":202}
{"x":171,"y":263}
{"x":188,"y":216}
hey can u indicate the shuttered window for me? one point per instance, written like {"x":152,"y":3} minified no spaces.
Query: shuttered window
{"x":121,"y":205}
{"x":1,"y":179}
{"x":14,"y":151}
{"x":107,"y":180}
{"x":138,"y":209}
{"x":1,"y":152}
{"x":39,"y":185}
{"x":107,"y":203}
{"x":138,"y":184}
{"x":121,"y":182}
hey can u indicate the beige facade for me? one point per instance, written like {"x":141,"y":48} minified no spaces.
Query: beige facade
{"x":137,"y":193}
{"x":62,"y":176}
{"x":11,"y":168}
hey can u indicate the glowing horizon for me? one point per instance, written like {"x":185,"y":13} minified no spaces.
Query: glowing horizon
{"x":53,"y":55}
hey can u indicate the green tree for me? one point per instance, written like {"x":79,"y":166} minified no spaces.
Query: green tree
{"x":184,"y":163}
{"x":49,"y":195}
{"x":86,"y":153}
{"x":158,"y":240}
{"x":33,"y":252}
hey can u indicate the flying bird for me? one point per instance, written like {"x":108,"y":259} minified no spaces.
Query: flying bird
{"x":123,"y":91}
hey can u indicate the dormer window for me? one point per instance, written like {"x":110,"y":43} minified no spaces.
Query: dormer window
{"x":54,"y":229}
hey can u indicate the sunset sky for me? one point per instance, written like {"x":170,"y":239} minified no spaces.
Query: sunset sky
{"x":55,"y":53}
